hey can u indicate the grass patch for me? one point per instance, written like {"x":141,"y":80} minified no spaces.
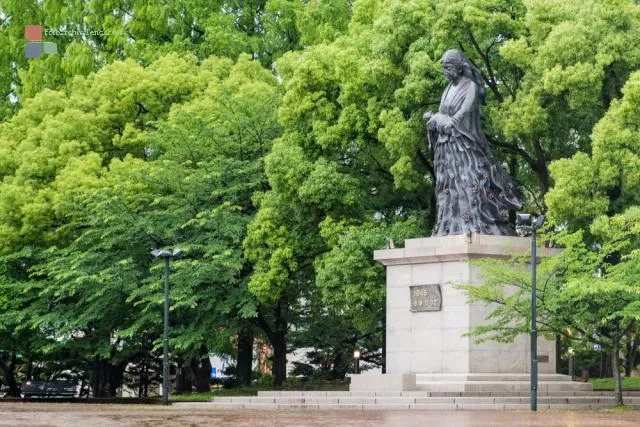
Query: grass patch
{"x":628,"y":383}
{"x":618,"y":409}
{"x":204,"y":396}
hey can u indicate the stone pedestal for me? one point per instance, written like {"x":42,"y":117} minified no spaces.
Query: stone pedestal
{"x":432,"y":342}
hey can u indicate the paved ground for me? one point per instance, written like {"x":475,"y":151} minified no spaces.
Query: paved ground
{"x":68,"y":414}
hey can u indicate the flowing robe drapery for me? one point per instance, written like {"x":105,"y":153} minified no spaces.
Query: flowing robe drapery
{"x":473,"y":192}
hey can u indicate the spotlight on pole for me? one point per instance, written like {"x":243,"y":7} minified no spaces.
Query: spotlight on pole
{"x":167,"y":255}
{"x":523,"y":220}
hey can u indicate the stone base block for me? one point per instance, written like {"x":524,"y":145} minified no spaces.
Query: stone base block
{"x":383,"y":382}
{"x":434,"y":339}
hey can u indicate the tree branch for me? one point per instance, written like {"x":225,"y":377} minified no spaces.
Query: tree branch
{"x":513,"y":149}
{"x":490,"y":79}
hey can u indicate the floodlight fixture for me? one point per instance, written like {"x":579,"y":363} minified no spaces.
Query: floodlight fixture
{"x":523,"y":220}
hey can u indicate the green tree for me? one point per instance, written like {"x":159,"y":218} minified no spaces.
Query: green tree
{"x":127,"y":176}
{"x":111,"y":30}
{"x":352,"y":118}
{"x":592,"y":287}
{"x":604,"y":189}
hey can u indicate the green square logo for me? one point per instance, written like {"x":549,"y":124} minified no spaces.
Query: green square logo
{"x":50,"y":48}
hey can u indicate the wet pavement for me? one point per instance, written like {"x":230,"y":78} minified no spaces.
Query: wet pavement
{"x":73,"y":414}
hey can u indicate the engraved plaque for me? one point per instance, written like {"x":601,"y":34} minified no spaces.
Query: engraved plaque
{"x":425,"y":298}
{"x":543,"y":358}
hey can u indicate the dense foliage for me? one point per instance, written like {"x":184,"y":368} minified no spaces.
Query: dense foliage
{"x":278,"y":143}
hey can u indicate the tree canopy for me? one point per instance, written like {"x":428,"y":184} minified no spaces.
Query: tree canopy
{"x":280,"y":142}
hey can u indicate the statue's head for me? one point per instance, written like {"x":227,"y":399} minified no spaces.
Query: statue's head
{"x":453,"y":56}
{"x":453,"y":63}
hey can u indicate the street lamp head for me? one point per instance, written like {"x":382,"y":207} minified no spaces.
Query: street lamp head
{"x":356,"y":354}
{"x":163,"y":253}
{"x":523,"y":220}
{"x":540,"y":221}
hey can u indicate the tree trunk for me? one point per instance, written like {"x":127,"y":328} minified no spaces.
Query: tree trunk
{"x":143,"y":365}
{"x":116,"y":374}
{"x":616,"y":372}
{"x":244,"y":360}
{"x":384,"y":337}
{"x":632,"y":352}
{"x":145,"y":388}
{"x":96,"y":380}
{"x":106,"y":378}
{"x":277,"y":336}
{"x":184,"y":378}
{"x":605,"y":364}
{"x":203,"y":370}
{"x":9,"y":374}
{"x":278,"y":342}
{"x":627,"y":360}
{"x":558,"y":352}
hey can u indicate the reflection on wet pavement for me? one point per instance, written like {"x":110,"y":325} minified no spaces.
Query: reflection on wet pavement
{"x":62,"y":414}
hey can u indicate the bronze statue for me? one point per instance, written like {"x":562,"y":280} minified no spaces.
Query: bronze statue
{"x":473,"y":192}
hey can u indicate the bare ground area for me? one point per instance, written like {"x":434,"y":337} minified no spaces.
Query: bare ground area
{"x":77,"y":414}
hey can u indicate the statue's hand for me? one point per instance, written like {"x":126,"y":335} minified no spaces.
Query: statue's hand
{"x":431,"y":120}
{"x":445,"y":125}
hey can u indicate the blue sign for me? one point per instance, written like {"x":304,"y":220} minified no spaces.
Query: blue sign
{"x":213,"y":372}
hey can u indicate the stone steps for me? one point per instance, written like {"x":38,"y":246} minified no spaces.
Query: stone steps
{"x":497,"y":382}
{"x":501,"y":386}
{"x":418,"y":401}
{"x":464,"y":382}
{"x":408,"y":400}
{"x":414,"y":406}
{"x":334,"y":394}
{"x":421,"y":378}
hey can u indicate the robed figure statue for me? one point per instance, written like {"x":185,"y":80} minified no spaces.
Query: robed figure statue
{"x":473,"y":191}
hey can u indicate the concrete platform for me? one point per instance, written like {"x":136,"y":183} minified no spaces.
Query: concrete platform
{"x":466,"y":382}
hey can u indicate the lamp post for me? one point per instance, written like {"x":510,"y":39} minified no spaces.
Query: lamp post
{"x":356,"y":364}
{"x":571,"y":352}
{"x":167,"y":256}
{"x":525,"y":221}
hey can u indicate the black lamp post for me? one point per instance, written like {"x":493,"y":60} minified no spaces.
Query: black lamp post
{"x":571,"y":352}
{"x":167,"y":256}
{"x":525,"y":222}
{"x":356,"y":360}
